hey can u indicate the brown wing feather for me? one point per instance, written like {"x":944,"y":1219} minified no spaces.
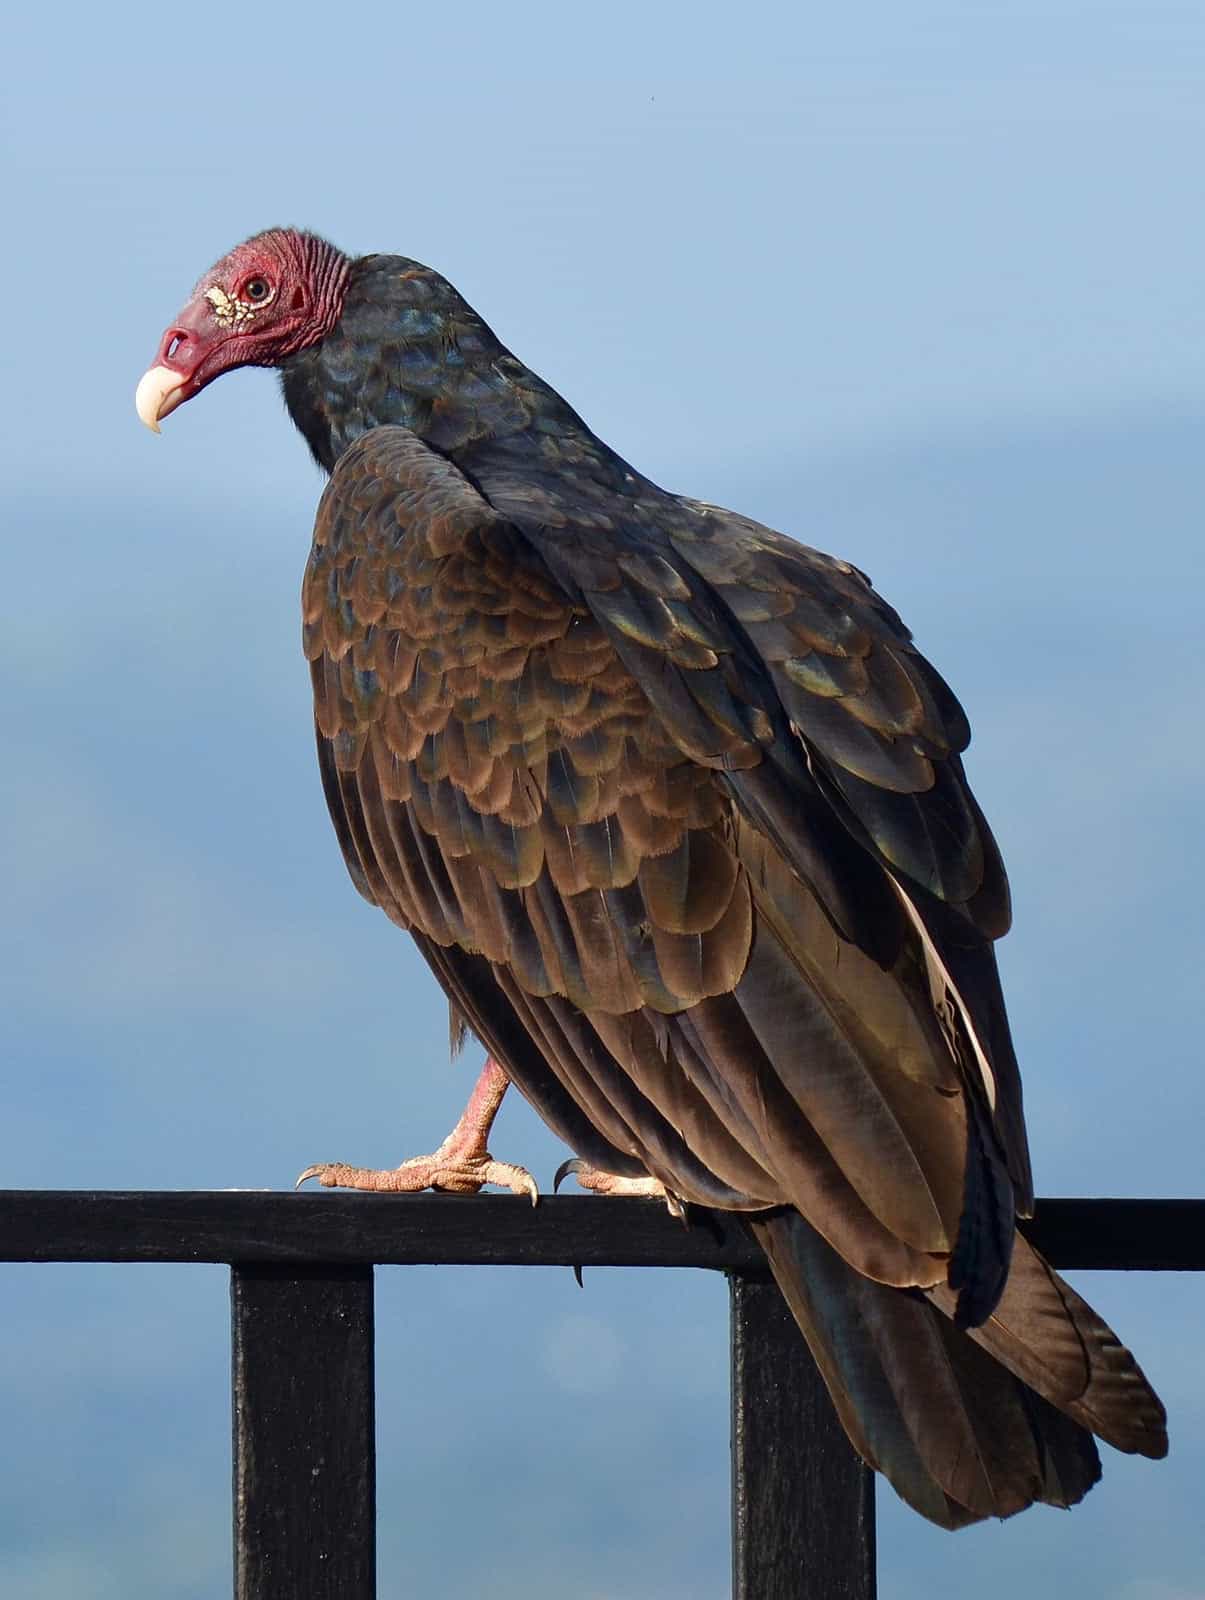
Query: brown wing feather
{"x":524,"y":802}
{"x":826,"y":722}
{"x":680,"y":826}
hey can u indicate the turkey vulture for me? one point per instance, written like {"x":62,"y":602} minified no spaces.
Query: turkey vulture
{"x":676,"y":813}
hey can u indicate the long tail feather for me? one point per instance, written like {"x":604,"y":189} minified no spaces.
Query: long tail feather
{"x":1051,"y":1338}
{"x":965,"y":1425}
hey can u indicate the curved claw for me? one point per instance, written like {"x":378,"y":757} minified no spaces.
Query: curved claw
{"x":312,"y":1172}
{"x":517,"y":1179}
{"x":563,"y":1171}
{"x":610,"y":1183}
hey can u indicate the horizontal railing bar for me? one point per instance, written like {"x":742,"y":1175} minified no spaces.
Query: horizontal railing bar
{"x":1120,"y":1235}
{"x":499,"y":1230}
{"x":405,"y":1230}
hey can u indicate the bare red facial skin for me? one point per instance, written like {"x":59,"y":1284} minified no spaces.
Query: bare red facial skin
{"x":271,"y":296}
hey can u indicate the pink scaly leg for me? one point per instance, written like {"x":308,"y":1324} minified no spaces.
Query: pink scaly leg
{"x":461,"y":1165}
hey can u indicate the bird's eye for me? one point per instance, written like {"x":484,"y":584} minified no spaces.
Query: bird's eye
{"x":256,"y":290}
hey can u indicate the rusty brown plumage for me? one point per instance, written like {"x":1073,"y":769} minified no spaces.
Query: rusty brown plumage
{"x":675,"y":810}
{"x":630,"y":801}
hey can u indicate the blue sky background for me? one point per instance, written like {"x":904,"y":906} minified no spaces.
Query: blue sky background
{"x":919,"y":284}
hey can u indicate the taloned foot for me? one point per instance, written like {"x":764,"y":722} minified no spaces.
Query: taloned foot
{"x":463,"y":1176}
{"x":610,"y":1183}
{"x":461,"y":1165}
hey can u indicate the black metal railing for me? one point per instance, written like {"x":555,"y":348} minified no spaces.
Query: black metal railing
{"x":303,"y":1374}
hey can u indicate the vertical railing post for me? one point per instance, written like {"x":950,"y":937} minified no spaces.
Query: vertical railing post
{"x":304,"y":1446}
{"x":802,"y":1501}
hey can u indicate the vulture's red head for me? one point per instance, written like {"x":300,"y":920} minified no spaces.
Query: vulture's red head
{"x":270,"y":297}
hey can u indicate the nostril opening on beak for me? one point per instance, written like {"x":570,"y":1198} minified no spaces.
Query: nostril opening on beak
{"x":174,"y":342}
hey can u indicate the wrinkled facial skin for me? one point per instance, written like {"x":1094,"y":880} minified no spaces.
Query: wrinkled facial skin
{"x":253,"y":308}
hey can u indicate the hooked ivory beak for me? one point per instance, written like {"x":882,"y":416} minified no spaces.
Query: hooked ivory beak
{"x":160,"y":391}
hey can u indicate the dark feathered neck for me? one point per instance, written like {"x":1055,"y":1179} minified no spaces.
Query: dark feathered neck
{"x":409,"y":350}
